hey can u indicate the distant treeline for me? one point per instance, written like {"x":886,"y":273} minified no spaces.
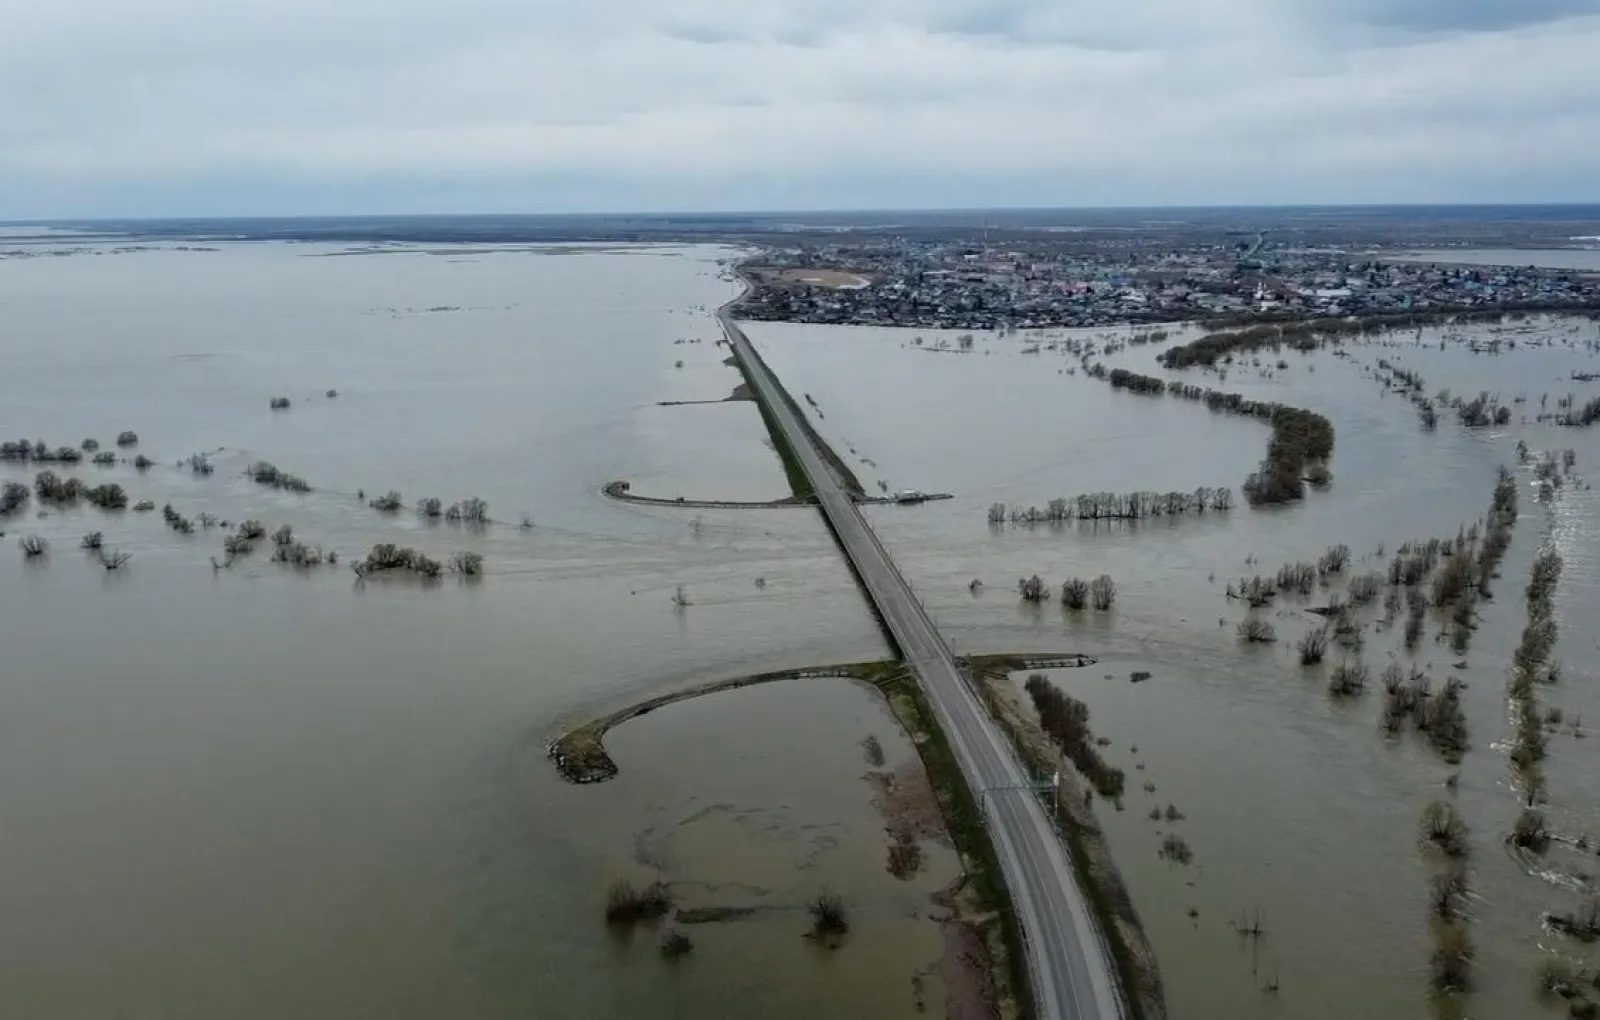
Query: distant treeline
{"x":1301,"y":440}
{"x":1269,"y":329}
{"x":1116,"y":506}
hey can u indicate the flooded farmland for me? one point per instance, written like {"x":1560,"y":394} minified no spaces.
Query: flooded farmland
{"x":261,"y":789}
{"x":1297,"y":807}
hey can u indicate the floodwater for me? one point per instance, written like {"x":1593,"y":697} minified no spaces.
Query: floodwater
{"x":1298,"y":810}
{"x":263,"y":792}
{"x":1585,"y":258}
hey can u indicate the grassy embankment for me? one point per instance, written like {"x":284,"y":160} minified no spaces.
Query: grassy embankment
{"x":1131,"y":953}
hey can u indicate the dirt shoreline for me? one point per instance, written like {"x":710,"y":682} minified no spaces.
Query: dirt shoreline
{"x":981,"y":964}
{"x":618,"y":490}
{"x":1130,"y":949}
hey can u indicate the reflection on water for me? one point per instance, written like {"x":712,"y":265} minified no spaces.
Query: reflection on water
{"x":1295,"y":805}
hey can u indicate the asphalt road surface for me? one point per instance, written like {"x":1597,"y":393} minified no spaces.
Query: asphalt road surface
{"x":1067,"y":958}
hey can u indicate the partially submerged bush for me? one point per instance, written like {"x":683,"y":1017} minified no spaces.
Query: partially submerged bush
{"x":1175,"y":848}
{"x":385,"y":556}
{"x":252,"y":530}
{"x":266,"y":473}
{"x":468,"y":511}
{"x":1257,"y":631}
{"x":1033,"y":589}
{"x":297,"y":554}
{"x":105,"y":458}
{"x":283,"y":536}
{"x":1298,"y":577}
{"x":390,"y":502}
{"x":1102,"y":592}
{"x":1313,"y":646}
{"x":129,"y":438}
{"x":627,"y":905}
{"x":1349,"y":678}
{"x":1530,"y":831}
{"x":33,"y":546}
{"x":12,"y":496}
{"x":108,"y":497}
{"x":91,"y":445}
{"x":143,"y":463}
{"x":1333,"y":561}
{"x":1451,"y":965}
{"x":828,"y":915}
{"x":93,"y":540}
{"x":675,"y":943}
{"x":279,"y":403}
{"x":1075,"y":593}
{"x":430,"y":507}
{"x":52,"y":489}
{"x":1447,"y":891}
{"x":1444,"y":830}
{"x":114,"y":560}
{"x":467,"y":564}
{"x":905,"y":858}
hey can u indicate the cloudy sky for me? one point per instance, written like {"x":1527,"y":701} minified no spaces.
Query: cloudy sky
{"x":200,"y":107}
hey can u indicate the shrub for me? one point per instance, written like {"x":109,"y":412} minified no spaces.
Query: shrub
{"x":467,"y":564}
{"x":430,"y":507}
{"x":469,"y":511}
{"x":105,"y":459}
{"x":268,"y":474}
{"x":828,"y":915}
{"x":1175,"y":848}
{"x":1447,"y":891}
{"x":1452,"y":959}
{"x":1333,"y":561}
{"x":129,"y":438}
{"x":1033,"y":589}
{"x":1075,"y":593}
{"x":12,"y":496}
{"x":626,"y":905}
{"x":1257,"y":631}
{"x":283,"y":536}
{"x":297,"y":554}
{"x":33,"y":546}
{"x":675,"y":943}
{"x":143,"y":463}
{"x":1102,"y":592}
{"x":1313,"y":646}
{"x":1365,"y":588}
{"x":1443,"y":829}
{"x":279,"y":403}
{"x":144,"y":506}
{"x":1298,"y":577}
{"x":116,"y":560}
{"x":389,"y":503}
{"x":91,"y":445}
{"x":252,"y":530}
{"x":1349,"y":678}
{"x":108,"y":497}
{"x":93,"y":540}
{"x":1530,"y":831}
{"x":905,"y":858}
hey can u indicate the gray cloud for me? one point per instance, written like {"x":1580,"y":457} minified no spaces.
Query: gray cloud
{"x":191,"y":106}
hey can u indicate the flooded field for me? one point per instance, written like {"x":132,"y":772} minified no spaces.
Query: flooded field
{"x":1297,"y":807}
{"x":263,"y":790}
{"x":268,"y":791}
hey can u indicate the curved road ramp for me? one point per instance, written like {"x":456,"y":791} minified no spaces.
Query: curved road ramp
{"x":1069,"y":964}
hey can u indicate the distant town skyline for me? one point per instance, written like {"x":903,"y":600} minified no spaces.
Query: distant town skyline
{"x":297,"y":107}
